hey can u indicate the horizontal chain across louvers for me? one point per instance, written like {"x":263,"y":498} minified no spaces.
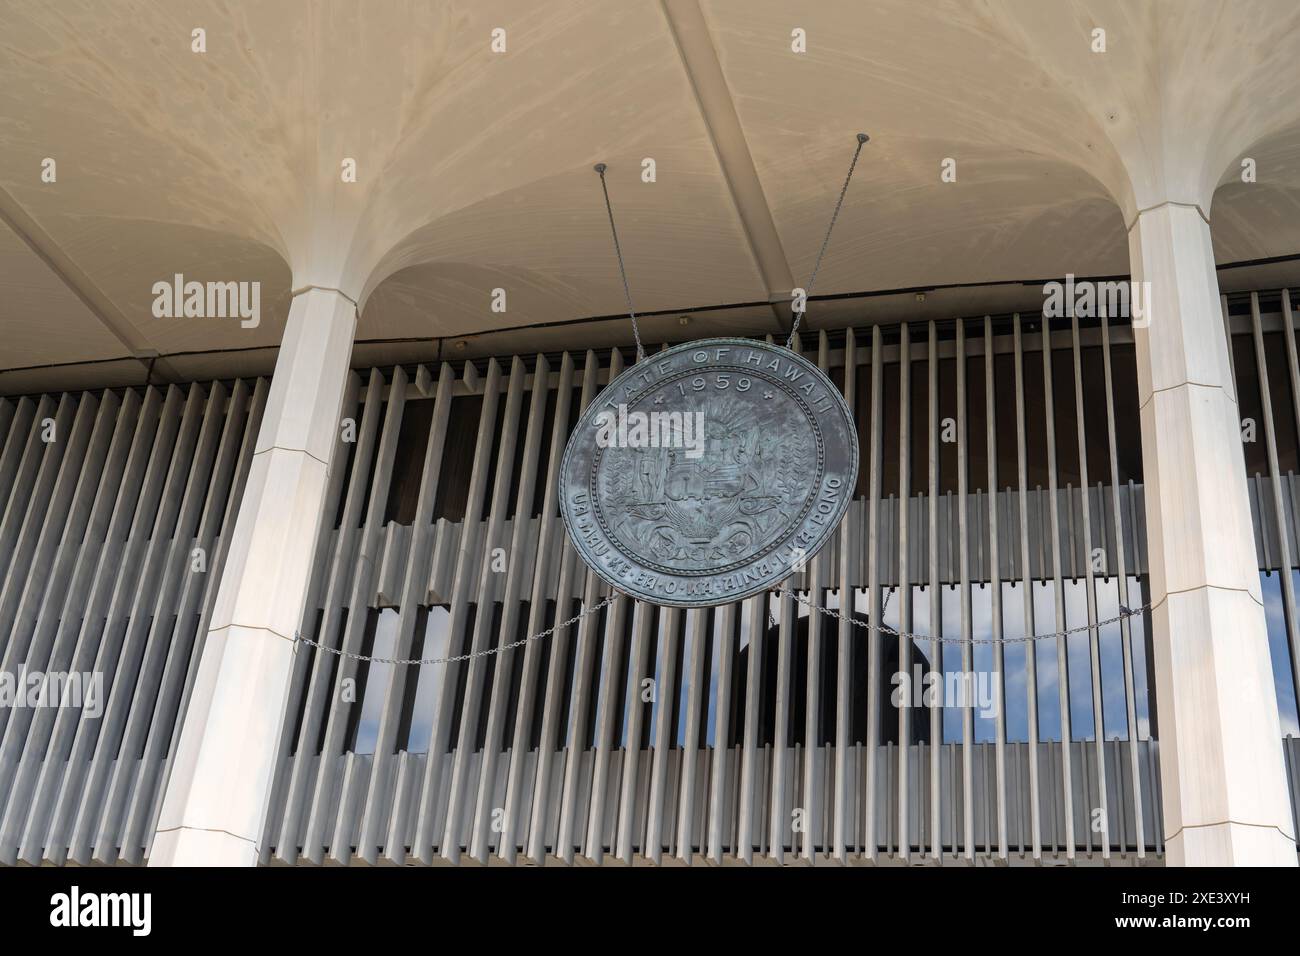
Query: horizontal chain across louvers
{"x":879,"y":630}
{"x":709,"y":472}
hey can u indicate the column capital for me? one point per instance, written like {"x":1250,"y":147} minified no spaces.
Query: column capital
{"x":304,"y":289}
{"x":321,"y":325}
{"x":1131,"y":215}
{"x":1173,"y":268}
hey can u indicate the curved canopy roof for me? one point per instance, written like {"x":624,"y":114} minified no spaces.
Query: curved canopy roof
{"x":474,"y":167}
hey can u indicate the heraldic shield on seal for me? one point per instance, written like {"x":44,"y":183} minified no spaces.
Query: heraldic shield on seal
{"x":708,"y":471}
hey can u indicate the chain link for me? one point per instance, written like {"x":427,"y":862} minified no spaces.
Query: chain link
{"x":1124,"y":612}
{"x":885,"y":629}
{"x":798,"y":313}
{"x":618,"y":251}
{"x":464,"y":657}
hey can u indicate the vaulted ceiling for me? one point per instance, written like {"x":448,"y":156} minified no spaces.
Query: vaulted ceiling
{"x":474,"y":167}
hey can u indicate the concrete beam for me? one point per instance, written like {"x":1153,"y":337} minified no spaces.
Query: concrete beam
{"x":83,"y":287}
{"x":695,"y":46}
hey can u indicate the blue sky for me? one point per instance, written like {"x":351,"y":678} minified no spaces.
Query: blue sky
{"x":433,"y":643}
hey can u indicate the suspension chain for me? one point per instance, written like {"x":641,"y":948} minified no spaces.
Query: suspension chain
{"x":885,"y":629}
{"x":618,"y":251}
{"x":798,"y":313}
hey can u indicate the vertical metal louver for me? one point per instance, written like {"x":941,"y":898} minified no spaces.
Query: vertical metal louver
{"x":550,"y":751}
{"x":1001,"y":495}
{"x":111,"y":547}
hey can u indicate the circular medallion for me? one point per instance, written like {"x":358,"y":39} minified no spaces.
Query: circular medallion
{"x":708,"y":471}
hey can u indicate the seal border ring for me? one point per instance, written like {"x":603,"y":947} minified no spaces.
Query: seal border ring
{"x":740,"y":594}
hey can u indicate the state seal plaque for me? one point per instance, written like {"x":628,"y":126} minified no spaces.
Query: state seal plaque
{"x":705,"y":473}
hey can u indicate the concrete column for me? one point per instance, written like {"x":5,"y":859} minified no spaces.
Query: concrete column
{"x":1221,"y":769}
{"x":216,"y":797}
